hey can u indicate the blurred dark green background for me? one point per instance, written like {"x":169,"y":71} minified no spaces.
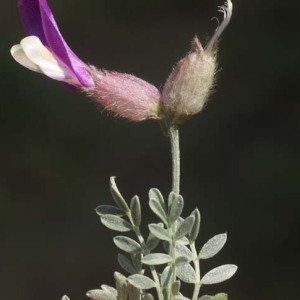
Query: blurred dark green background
{"x":240,"y":157}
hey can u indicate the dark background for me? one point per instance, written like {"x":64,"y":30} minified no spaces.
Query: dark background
{"x":240,"y":156}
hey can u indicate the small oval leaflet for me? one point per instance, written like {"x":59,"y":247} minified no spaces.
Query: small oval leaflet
{"x":141,"y":281}
{"x":152,"y":241}
{"x":136,"y":258}
{"x":182,"y":250}
{"x":186,"y":273}
{"x":126,"y":264}
{"x":166,"y":276}
{"x":156,"y":259}
{"x":135,"y":208}
{"x":175,"y":206}
{"x":159,"y":232}
{"x":100,"y":295}
{"x":181,"y":260}
{"x":115,"y":223}
{"x":196,"y":227}
{"x":156,"y":195}
{"x":117,"y":196}
{"x":126,"y":244}
{"x":213,"y":246}
{"x":109,"y":210}
{"x":109,"y":289}
{"x":158,"y":209}
{"x":219,"y":274}
{"x":184,"y":228}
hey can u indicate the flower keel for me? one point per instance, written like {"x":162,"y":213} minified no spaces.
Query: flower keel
{"x":32,"y":54}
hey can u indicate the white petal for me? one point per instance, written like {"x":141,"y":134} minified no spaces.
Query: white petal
{"x":65,"y":297}
{"x":19,"y":55}
{"x":47,"y":62}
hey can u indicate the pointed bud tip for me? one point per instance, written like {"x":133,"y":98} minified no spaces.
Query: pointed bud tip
{"x":226,"y":10}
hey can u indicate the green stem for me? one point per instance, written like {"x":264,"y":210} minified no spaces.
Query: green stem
{"x":173,"y":256}
{"x":197,"y":270}
{"x":152,"y":268}
{"x":145,"y":251}
{"x":174,"y":139}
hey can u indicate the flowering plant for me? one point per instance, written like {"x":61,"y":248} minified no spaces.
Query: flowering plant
{"x":184,"y":94}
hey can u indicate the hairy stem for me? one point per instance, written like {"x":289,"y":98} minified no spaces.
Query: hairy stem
{"x":145,"y":251}
{"x":197,"y":270}
{"x":174,"y":139}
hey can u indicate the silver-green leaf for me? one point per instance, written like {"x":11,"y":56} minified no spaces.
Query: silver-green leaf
{"x":109,"y":210}
{"x":152,"y":241}
{"x":158,"y":210}
{"x":156,"y":259}
{"x":196,"y":227}
{"x":213,"y":246}
{"x":98,"y":294}
{"x":109,"y":289}
{"x":156,"y":195}
{"x":135,"y":208}
{"x":181,"y":260}
{"x":186,"y":273}
{"x":182,"y":250}
{"x":219,"y":274}
{"x":185,"y":227}
{"x":159,"y":232}
{"x":126,"y":264}
{"x":166,"y":276}
{"x":175,"y":207}
{"x":117,"y":196}
{"x":126,"y":244}
{"x":141,"y":281}
{"x":115,"y":223}
{"x":136,"y":258}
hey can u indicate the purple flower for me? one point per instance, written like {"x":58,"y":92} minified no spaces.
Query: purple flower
{"x":184,"y":93}
{"x":44,"y":50}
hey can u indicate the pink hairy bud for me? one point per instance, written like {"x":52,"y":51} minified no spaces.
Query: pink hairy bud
{"x":125,"y":95}
{"x":189,"y":84}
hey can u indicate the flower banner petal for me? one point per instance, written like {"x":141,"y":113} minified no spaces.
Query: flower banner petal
{"x":38,"y":20}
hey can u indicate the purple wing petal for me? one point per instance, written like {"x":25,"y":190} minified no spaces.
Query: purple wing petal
{"x":38,"y":20}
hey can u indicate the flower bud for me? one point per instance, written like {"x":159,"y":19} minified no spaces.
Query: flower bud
{"x":189,"y":84}
{"x":125,"y":95}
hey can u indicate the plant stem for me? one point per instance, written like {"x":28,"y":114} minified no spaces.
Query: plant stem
{"x":145,"y":251}
{"x":197,"y":270}
{"x":152,"y":268}
{"x":174,"y":139}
